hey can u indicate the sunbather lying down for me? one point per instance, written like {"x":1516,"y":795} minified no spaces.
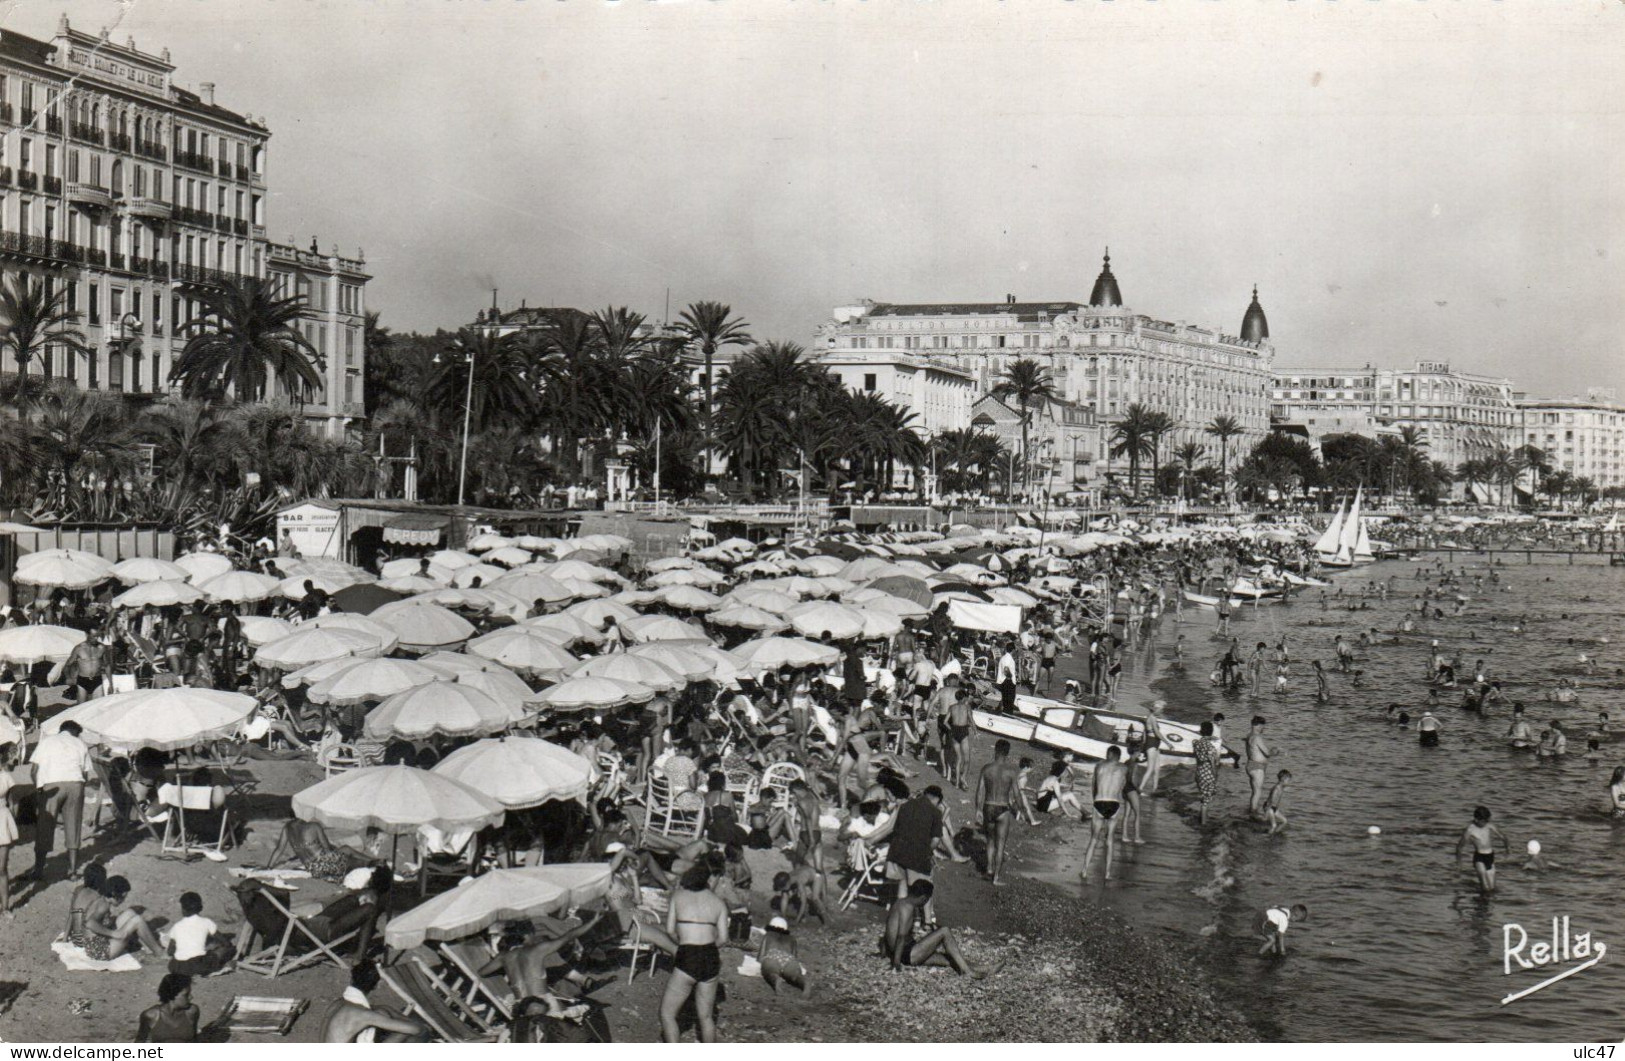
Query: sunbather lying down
{"x":308,"y":842}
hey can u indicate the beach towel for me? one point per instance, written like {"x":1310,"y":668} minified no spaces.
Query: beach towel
{"x":74,"y":958}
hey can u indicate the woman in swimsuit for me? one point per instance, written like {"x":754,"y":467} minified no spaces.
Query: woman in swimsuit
{"x":698,"y":920}
{"x":109,"y":931}
{"x":86,"y":895}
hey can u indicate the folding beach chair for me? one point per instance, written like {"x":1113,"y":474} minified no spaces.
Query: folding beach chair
{"x":296,"y":944}
{"x":662,"y":816}
{"x":868,"y":876}
{"x":194,"y":821}
{"x":425,"y":1002}
{"x":465,"y":957}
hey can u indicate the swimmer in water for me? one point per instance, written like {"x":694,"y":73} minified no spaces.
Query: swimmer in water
{"x":1323,"y":691}
{"x":1521,"y":734}
{"x":1427,"y":729}
{"x":1274,"y":805}
{"x":1482,"y":837}
{"x":1616,"y":792}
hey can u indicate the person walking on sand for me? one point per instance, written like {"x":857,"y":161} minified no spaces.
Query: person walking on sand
{"x":1482,"y":837}
{"x":1111,"y":777}
{"x":698,"y":920}
{"x":62,"y":765}
{"x":996,"y":802}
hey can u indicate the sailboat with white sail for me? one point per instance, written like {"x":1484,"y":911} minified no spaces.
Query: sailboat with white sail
{"x":1326,"y":547}
{"x":1346,"y":542}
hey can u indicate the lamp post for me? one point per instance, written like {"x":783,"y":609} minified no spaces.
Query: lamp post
{"x":468,"y":413}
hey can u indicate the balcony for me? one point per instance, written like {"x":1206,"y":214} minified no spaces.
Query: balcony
{"x":89,"y":195}
{"x":142,"y":266}
{"x":222,"y":223}
{"x":242,"y":172}
{"x":53,"y":123}
{"x":96,"y":257}
{"x":5,"y":175}
{"x":39,"y":248}
{"x":200,"y":275}
{"x":27,"y":181}
{"x":193,"y":160}
{"x":192,"y":216}
{"x":53,"y":185}
{"x":87,"y":133}
{"x":6,"y":112}
{"x":151,"y":150}
{"x":119,"y":142}
{"x":149,"y":209}
{"x":239,"y":226}
{"x":28,"y":116}
{"x":116,"y":261}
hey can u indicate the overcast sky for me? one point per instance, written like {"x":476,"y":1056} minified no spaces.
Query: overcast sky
{"x":1403,"y":180}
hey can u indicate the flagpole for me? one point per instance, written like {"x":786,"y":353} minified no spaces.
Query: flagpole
{"x":657,"y":465}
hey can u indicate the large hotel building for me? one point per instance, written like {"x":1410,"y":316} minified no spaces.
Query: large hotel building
{"x":1582,"y":436}
{"x":1100,"y":354}
{"x":137,"y":196}
{"x":1461,"y":416}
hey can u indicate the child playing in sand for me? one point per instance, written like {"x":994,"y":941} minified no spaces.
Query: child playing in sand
{"x":779,"y":960}
{"x":1055,"y":791}
{"x":1275,"y":801}
{"x":801,"y":885}
{"x":1272,"y":926}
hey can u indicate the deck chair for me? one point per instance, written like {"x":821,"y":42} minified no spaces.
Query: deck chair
{"x":661,"y":815}
{"x":337,"y":758}
{"x":868,"y":876}
{"x":464,"y":957}
{"x":194,"y":821}
{"x":655,"y":902}
{"x":446,"y":856}
{"x":424,"y":1002}
{"x":290,"y":942}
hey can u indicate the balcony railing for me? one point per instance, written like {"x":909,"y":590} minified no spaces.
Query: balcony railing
{"x":6,"y":112}
{"x":95,"y":256}
{"x":152,"y":209}
{"x":242,"y":172}
{"x":119,"y":141}
{"x":116,"y":260}
{"x":198,"y":274}
{"x":53,"y":123}
{"x":28,"y":115}
{"x":148,"y":149}
{"x":192,"y":216}
{"x":88,"y":133}
{"x":5,"y":175}
{"x":53,"y":185}
{"x":239,"y":226}
{"x":89,"y":194}
{"x":193,"y":160}
{"x":39,"y":247}
{"x":27,"y":180}
{"x":144,"y":266}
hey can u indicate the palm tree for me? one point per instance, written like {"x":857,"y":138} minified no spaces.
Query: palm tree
{"x":1224,"y":428}
{"x":1157,"y":425}
{"x":193,"y":441}
{"x":32,"y":321}
{"x":244,"y":338}
{"x":1557,"y":486}
{"x":972,"y":454}
{"x":1132,"y":438}
{"x":1189,"y":455}
{"x":708,"y":324}
{"x":1029,"y":383}
{"x":87,"y":442}
{"x":503,"y":383}
{"x":1502,"y":467}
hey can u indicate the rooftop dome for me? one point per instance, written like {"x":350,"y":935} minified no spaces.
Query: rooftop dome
{"x":1105,"y":292}
{"x":1255,"y":327}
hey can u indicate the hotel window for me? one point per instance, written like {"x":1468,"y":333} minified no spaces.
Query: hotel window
{"x":157,"y":313}
{"x":869,"y":381}
{"x":95,"y":304}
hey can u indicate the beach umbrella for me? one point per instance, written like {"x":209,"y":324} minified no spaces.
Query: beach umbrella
{"x":596,"y":612}
{"x":771,"y":653}
{"x":609,"y":543}
{"x":761,"y":595}
{"x":870,"y":567}
{"x":262,"y":629}
{"x":165,"y":719}
{"x":581,"y":589}
{"x":294,"y":588}
{"x":409,"y":585}
{"x":39,"y":643}
{"x":538,"y":544}
{"x":762,"y":567}
{"x":688,"y":576}
{"x":238,"y":586}
{"x":566,"y":629}
{"x":909,"y":589}
{"x":690,"y":599}
{"x":519,"y":772}
{"x":330,"y":570}
{"x":726,"y":668}
{"x":745,"y":617}
{"x":817,"y":566}
{"x":531,"y":587}
{"x":424,"y":626}
{"x":307,"y":645}
{"x":464,"y":577}
{"x":973,"y":574}
{"x":591,"y":693}
{"x":630,"y":668}
{"x":395,"y":800}
{"x":441,"y":709}
{"x":796,"y":586}
{"x":879,"y":623}
{"x":859,"y":594}
{"x":499,"y":895}
{"x":149,"y":569}
{"x":636,"y":598}
{"x":508,"y":555}
{"x":903,"y":609}
{"x":483,"y":542}
{"x":453,"y":558}
{"x":826,"y":619}
{"x":412,"y":567}
{"x":203,"y":565}
{"x":520,"y":650}
{"x":660,"y":628}
{"x":1011,"y":595}
{"x":669,"y":563}
{"x":456,"y":664}
{"x":363,"y":599}
{"x":361,"y":680}
{"x":499,"y":683}
{"x":736,"y":545}
{"x":160,"y":594}
{"x":366,"y":624}
{"x":584,"y":571}
{"x":680,"y":657}
{"x":62,"y":569}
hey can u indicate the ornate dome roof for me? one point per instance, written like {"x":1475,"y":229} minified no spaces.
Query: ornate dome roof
{"x":1105,"y":292}
{"x":1255,"y":327}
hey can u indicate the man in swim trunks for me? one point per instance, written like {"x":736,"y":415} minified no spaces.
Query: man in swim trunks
{"x":1481,"y":836}
{"x":1111,"y":777}
{"x":996,"y":794}
{"x":959,"y":729}
{"x":1258,"y":760}
{"x":904,"y":950}
{"x":352,"y":1019}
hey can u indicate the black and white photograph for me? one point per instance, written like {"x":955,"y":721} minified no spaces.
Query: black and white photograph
{"x":812,"y":522}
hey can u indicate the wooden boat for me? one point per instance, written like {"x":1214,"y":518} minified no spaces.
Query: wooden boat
{"x":1004,"y":725}
{"x":1206,"y":601}
{"x":1120,"y":724}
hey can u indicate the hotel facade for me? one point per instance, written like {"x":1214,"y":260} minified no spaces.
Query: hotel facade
{"x":1582,"y":436}
{"x":1099,"y":353}
{"x":137,"y":196}
{"x":1461,"y":416}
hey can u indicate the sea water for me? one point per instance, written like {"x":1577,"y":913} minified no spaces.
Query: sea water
{"x":1399,"y":944}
